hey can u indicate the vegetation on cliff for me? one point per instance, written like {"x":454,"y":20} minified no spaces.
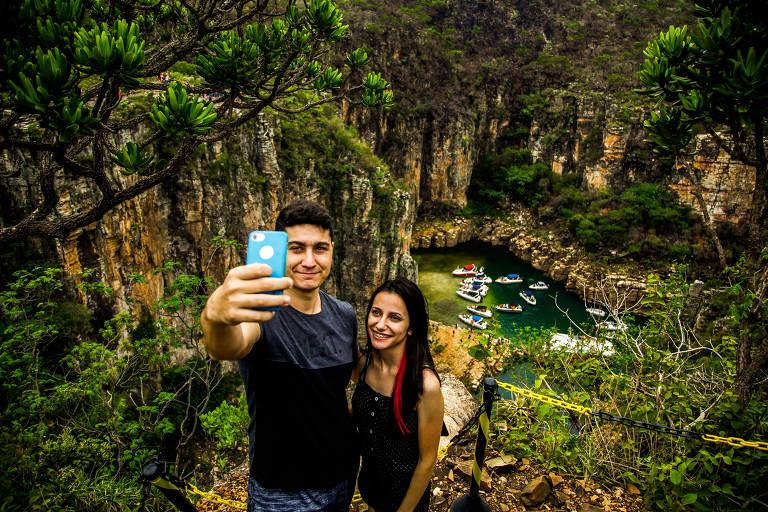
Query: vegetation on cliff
{"x":67,"y":65}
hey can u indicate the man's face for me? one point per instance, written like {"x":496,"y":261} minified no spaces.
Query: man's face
{"x":309,"y":258}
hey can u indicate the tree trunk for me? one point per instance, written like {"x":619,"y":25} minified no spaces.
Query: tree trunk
{"x":752,"y":351}
{"x":698,"y":193}
{"x":751,"y":361}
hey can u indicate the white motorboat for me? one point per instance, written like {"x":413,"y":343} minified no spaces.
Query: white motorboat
{"x":469,"y":295}
{"x":482,"y":289}
{"x":581,"y":345}
{"x":596,"y":312}
{"x":466,"y":270}
{"x":509,"y":279}
{"x":528,"y":297}
{"x":510,"y":308}
{"x":471,"y":280}
{"x":539,"y":285}
{"x":484,"y":278}
{"x":474,"y":321}
{"x":481,"y":310}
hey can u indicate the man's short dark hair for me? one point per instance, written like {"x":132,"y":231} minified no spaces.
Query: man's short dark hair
{"x":304,"y":211}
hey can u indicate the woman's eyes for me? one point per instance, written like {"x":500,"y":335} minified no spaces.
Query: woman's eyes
{"x":394,"y":317}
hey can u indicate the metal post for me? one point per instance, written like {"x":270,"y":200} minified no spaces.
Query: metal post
{"x":472,"y":501}
{"x":155,"y":472}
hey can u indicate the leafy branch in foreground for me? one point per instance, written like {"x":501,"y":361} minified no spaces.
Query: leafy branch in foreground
{"x":75,"y":77}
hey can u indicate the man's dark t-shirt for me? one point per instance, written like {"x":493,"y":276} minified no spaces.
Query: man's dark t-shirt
{"x":300,"y":434}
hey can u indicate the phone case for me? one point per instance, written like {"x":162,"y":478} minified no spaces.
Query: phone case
{"x":268,"y":247}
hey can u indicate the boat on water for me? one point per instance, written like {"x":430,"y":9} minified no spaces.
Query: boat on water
{"x":539,"y":285}
{"x":469,"y":295}
{"x":466,"y":270}
{"x":596,"y":312}
{"x":474,"y":321}
{"x":481,"y":310}
{"x":510,"y":308}
{"x":471,"y":280}
{"x":611,"y":326}
{"x":528,"y":297}
{"x":484,"y":278}
{"x":509,"y":279}
{"x":482,"y":289}
{"x":581,"y":345}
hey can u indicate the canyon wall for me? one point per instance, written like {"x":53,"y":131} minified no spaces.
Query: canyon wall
{"x":472,"y":78}
{"x":226,"y":190}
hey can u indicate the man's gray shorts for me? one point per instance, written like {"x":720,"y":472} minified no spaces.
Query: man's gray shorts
{"x":335,"y":499}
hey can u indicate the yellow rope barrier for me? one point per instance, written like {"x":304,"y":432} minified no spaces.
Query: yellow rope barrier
{"x":732,"y":441}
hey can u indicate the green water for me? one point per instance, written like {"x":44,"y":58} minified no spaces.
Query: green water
{"x":439,"y":286}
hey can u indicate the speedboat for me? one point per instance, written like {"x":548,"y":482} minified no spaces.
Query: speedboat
{"x":469,"y":295}
{"x":474,"y":321}
{"x":466,"y":270}
{"x":510,"y":308}
{"x":539,"y":285}
{"x":471,"y":280}
{"x":482,"y":289}
{"x":596,"y":312}
{"x":528,"y":297}
{"x":581,"y":345}
{"x":480,"y":310}
{"x":509,"y":279}
{"x":482,"y":277}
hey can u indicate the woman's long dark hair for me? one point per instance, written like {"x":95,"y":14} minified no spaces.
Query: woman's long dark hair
{"x":409,"y":382}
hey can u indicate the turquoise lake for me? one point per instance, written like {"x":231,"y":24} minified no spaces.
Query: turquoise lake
{"x":439,"y":286}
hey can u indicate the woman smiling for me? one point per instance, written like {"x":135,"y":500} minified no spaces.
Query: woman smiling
{"x":397,"y":403}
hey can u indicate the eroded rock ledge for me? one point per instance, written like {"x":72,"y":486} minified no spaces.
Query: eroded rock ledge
{"x":616,"y":285}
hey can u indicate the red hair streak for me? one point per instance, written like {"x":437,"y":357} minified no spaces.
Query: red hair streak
{"x":397,"y":397}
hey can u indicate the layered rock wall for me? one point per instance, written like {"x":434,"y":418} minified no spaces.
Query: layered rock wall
{"x":226,"y":190}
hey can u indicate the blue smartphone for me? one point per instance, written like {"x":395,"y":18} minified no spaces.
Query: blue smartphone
{"x":268,"y":247}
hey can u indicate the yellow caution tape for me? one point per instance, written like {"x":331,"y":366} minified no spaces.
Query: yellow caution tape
{"x":546,"y":399}
{"x":737,"y":442}
{"x":732,"y":441}
{"x":215,"y":498}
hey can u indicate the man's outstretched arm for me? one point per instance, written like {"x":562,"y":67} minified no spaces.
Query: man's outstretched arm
{"x":229,"y":321}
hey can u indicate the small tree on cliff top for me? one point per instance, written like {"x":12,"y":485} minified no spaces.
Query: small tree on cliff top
{"x":714,"y":79}
{"x":66,"y":66}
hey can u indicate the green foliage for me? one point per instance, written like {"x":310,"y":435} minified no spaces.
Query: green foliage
{"x":605,"y":220}
{"x":84,"y":404}
{"x":179,"y":115}
{"x":661,"y":374}
{"x":228,"y":424}
{"x":71,"y":69}
{"x":510,"y":175}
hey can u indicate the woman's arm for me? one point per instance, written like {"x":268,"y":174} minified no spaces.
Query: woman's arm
{"x":356,"y":371}
{"x":430,"y":411}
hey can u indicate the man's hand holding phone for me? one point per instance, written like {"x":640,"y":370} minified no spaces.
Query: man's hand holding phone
{"x":244,"y":295}
{"x":252,"y":293}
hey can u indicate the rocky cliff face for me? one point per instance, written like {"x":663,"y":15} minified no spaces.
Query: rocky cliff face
{"x":472,"y":78}
{"x":229,"y":189}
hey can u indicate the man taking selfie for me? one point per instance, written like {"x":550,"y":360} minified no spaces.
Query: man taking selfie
{"x":295,"y":364}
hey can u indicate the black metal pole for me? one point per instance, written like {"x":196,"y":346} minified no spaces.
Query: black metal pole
{"x":155,"y":473}
{"x":472,"y":501}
